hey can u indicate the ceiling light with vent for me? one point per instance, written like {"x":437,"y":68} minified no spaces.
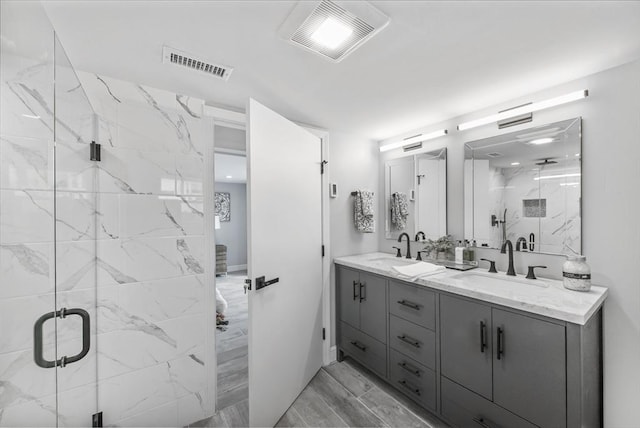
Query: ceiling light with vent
{"x":332,"y":29}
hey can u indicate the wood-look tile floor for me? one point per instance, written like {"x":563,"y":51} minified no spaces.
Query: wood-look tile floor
{"x":342,"y":394}
{"x":232,"y":344}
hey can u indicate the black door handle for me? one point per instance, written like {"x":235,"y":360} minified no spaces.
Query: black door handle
{"x":261,"y":282}
{"x":363,"y":286}
{"x":483,"y":336}
{"x":38,"y":339}
{"x":355,"y":295}
{"x":409,"y":304}
{"x":411,"y":341}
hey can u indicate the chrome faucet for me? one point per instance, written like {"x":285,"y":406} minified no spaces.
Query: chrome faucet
{"x":408,"y":243}
{"x":510,"y":271}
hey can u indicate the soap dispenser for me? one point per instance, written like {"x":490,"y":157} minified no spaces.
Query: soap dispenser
{"x":459,"y":253}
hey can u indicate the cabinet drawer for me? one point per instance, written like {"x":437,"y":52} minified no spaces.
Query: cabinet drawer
{"x":413,"y":341}
{"x":413,"y":304}
{"x":363,"y":348}
{"x":413,"y":379}
{"x":464,"y":408}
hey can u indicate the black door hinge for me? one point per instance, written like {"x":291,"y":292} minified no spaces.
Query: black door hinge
{"x":94,"y":151}
{"x":323,"y":251}
{"x":322,"y":164}
{"x":324,"y":336}
{"x":96,"y":420}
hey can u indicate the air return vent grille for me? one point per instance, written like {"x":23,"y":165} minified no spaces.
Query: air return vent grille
{"x":183,"y":59}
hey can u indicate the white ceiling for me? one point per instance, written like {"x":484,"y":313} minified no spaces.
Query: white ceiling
{"x":436,"y":60}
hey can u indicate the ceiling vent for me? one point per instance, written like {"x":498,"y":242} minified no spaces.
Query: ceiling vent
{"x":183,"y":59}
{"x":495,"y":155}
{"x":349,"y":24}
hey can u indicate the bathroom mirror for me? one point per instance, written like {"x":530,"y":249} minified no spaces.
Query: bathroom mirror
{"x":416,"y":195}
{"x":525,"y":186}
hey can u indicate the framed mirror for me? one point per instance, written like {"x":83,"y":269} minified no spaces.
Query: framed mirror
{"x":416,"y":195}
{"x":525,"y":186}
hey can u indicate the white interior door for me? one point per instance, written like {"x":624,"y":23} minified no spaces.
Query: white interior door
{"x":284,"y":242}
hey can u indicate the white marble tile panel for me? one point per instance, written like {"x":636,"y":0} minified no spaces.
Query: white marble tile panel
{"x":23,"y":380}
{"x":136,"y":392}
{"x":112,"y":268}
{"x":140,"y":343}
{"x":74,"y":171}
{"x":75,"y":216}
{"x":26,"y":163}
{"x":26,"y":216}
{"x":191,"y":255}
{"x":193,"y":135}
{"x":188,"y":374}
{"x":189,"y":105}
{"x":26,"y":270}
{"x":18,"y":316}
{"x":161,"y":416}
{"x":193,"y":407}
{"x":160,"y":300}
{"x":33,"y":413}
{"x":189,"y":175}
{"x":140,"y":125}
{"x":75,"y":406}
{"x":108,"y":216}
{"x":76,"y":265}
{"x":134,"y":171}
{"x":26,"y":96}
{"x":158,"y":215}
{"x":150,"y":258}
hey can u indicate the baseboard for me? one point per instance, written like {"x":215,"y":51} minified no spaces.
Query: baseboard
{"x":236,"y":268}
{"x":332,"y":353}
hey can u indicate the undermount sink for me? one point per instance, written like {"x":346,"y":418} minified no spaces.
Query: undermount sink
{"x":498,"y":280}
{"x":394,"y":261}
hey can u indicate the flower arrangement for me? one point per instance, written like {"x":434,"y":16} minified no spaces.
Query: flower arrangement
{"x":441,"y":245}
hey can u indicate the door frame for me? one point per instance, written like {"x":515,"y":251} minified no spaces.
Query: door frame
{"x":238,"y":120}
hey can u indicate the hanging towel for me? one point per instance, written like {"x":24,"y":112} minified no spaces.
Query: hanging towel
{"x":399,"y":210}
{"x":363,"y":211}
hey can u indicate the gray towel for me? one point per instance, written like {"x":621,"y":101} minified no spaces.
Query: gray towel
{"x":399,"y":210}
{"x":363,"y":211}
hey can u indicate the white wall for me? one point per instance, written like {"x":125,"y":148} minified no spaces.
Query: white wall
{"x":610,"y":206}
{"x":233,"y":233}
{"x":353,"y":165}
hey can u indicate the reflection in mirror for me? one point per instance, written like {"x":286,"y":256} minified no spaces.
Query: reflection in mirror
{"x":416,"y":195}
{"x":525,"y":186}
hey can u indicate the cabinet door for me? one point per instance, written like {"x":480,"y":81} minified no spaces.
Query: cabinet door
{"x":373,"y":309}
{"x":529,"y":379}
{"x":464,"y":326}
{"x":349,"y":292}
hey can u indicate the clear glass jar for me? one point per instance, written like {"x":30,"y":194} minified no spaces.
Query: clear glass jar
{"x":576,"y":273}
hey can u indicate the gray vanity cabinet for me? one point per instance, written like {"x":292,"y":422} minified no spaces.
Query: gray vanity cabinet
{"x":514,"y":361}
{"x":362,"y":311}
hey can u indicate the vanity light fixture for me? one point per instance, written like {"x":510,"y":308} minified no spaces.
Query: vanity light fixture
{"x":414,"y":139}
{"x":528,"y":108}
{"x":546,"y":177}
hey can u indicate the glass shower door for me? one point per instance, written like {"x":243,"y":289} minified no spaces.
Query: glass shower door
{"x":48,"y":367}
{"x":27,"y":230}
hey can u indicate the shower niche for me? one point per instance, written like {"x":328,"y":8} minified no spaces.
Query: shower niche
{"x":525,"y":186}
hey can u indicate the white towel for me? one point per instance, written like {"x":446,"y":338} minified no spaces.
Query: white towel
{"x":418,"y":269}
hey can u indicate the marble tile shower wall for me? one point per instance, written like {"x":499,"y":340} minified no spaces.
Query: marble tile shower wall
{"x":128,"y":243}
{"x":150,"y":254}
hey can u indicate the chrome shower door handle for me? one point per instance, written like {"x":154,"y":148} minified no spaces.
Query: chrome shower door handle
{"x":38,"y":338}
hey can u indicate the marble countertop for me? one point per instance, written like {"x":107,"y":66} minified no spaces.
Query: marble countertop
{"x":542,"y":296}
